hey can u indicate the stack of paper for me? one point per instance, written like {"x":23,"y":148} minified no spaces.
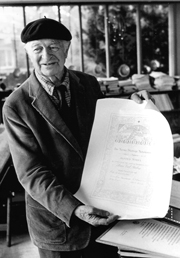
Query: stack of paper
{"x":127,"y":86}
{"x":163,"y":102}
{"x":175,"y":195}
{"x":164,"y":82}
{"x":142,"y":81}
{"x":132,"y":253}
{"x":124,"y":83}
{"x":144,"y":238}
{"x":109,"y":85}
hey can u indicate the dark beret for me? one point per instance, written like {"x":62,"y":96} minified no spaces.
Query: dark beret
{"x":45,"y":28}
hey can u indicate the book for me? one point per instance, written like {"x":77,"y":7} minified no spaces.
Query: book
{"x":163,"y":102}
{"x":148,"y":237}
{"x":132,"y":253}
{"x":175,"y":194}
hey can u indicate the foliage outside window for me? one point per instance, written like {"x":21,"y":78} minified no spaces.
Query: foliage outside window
{"x":154,"y":25}
{"x":122,"y":38}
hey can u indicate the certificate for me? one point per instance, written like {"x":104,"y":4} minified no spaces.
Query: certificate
{"x":129,"y":163}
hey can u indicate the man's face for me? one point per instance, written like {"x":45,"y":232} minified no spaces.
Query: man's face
{"x":47,"y":56}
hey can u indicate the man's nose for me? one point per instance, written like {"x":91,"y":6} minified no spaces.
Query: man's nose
{"x":46,"y":53}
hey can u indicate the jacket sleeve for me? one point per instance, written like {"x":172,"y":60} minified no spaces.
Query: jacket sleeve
{"x":32,"y":170}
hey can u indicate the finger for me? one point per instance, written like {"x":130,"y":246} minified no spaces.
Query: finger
{"x":100,"y":213}
{"x":135,"y":97}
{"x":95,"y":211}
{"x":145,"y":94}
{"x":97,"y":221}
{"x":112,"y":218}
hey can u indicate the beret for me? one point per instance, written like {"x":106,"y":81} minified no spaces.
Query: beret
{"x":45,"y":28}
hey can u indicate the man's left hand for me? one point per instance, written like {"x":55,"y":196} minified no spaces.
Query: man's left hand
{"x":141,"y":95}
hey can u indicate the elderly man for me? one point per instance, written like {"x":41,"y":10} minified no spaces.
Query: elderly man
{"x":48,"y":120}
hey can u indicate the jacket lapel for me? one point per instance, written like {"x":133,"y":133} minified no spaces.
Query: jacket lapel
{"x":42,"y":103}
{"x":81,"y":108}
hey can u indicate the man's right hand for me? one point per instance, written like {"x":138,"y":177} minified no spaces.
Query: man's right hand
{"x":94,"y":216}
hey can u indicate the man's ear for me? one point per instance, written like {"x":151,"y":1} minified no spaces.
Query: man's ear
{"x":26,"y":49}
{"x":67,"y":49}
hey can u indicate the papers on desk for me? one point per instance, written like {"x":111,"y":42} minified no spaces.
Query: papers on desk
{"x":151,"y":238}
{"x":109,"y":85}
{"x":129,"y":163}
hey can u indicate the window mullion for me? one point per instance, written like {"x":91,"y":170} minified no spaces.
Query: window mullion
{"x":139,"y":41}
{"x":107,"y":42}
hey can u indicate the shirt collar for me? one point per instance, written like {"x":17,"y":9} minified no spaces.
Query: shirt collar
{"x":49,"y":85}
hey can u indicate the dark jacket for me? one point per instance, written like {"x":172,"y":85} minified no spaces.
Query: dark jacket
{"x":49,"y":161}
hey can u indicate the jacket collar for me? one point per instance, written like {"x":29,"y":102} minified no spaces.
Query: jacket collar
{"x":42,"y":103}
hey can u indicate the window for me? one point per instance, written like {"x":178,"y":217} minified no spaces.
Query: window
{"x":7,"y":60}
{"x":105,"y":38}
{"x":13,"y":59}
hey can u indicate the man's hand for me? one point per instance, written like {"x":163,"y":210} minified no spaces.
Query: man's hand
{"x":141,"y":95}
{"x":94,"y":216}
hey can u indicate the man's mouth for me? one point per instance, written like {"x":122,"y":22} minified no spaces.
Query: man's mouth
{"x":49,"y":64}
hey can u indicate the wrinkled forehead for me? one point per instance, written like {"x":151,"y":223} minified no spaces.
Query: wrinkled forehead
{"x":42,"y":42}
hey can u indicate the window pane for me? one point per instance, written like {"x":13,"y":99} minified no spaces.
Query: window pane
{"x":122,"y":38}
{"x":13,"y":59}
{"x":94,"y":40}
{"x":70,"y":18}
{"x":37,"y":12}
{"x":154,"y":25}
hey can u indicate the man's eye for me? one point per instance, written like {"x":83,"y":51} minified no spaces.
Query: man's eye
{"x":54,"y":48}
{"x":37,"y":50}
